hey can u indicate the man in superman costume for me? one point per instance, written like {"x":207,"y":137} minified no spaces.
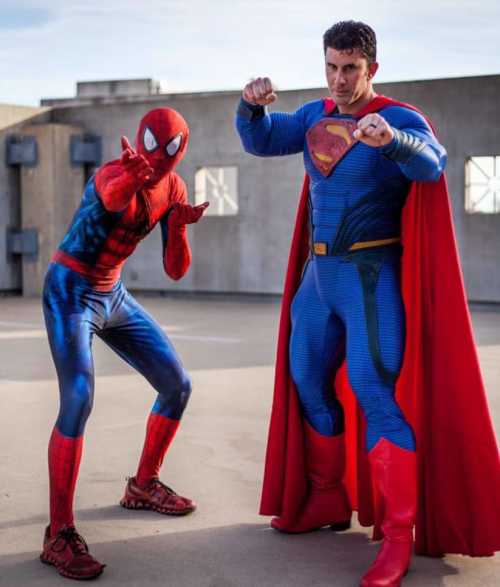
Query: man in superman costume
{"x":83,"y":296}
{"x":373,"y":279}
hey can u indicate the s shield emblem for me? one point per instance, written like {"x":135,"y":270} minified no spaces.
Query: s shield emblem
{"x":328,"y":141}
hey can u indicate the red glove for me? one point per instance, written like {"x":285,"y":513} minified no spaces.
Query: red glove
{"x":117,"y":183}
{"x":178,"y":254}
{"x":182,"y":214}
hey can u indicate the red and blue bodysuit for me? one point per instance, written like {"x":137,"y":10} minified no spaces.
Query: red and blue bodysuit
{"x":361,"y":329}
{"x":84,"y":296}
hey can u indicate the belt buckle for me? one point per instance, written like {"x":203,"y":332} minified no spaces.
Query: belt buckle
{"x":320,"y":248}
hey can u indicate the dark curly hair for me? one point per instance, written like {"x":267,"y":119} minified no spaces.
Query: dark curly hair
{"x":349,"y":34}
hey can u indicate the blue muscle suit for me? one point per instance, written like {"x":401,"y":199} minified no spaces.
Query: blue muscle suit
{"x":349,"y":301}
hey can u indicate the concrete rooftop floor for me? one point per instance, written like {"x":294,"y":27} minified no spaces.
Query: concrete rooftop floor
{"x":228,"y":346}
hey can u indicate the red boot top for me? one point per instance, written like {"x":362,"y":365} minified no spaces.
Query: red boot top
{"x":395,"y":481}
{"x":327,"y":503}
{"x":157,"y":496}
{"x":69,"y":553}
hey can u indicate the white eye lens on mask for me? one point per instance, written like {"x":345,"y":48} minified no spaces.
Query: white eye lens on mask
{"x":149,"y":140}
{"x":174,"y":145}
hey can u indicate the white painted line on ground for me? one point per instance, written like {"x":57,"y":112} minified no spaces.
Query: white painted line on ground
{"x":19,"y":324}
{"x":172,"y":328}
{"x":15,"y":334}
{"x":11,"y":334}
{"x":32,"y":334}
{"x":216,"y":339}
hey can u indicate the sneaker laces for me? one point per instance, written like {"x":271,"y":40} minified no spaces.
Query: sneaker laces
{"x":155,"y":482}
{"x":68,"y":536}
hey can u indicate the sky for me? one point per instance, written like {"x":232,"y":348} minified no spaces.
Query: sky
{"x":198,"y":45}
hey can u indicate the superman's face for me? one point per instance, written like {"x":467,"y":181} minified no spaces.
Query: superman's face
{"x":348,"y":75}
{"x":162,"y":139}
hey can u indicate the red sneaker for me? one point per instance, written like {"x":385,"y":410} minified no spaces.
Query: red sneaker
{"x":156,"y":496}
{"x":69,"y":554}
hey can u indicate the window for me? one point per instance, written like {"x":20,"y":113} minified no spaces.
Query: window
{"x":482,"y":185}
{"x":219,"y":186}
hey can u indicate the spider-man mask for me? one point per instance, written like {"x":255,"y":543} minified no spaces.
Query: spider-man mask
{"x":162,"y":139}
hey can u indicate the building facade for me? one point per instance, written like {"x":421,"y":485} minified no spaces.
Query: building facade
{"x":242,"y":246}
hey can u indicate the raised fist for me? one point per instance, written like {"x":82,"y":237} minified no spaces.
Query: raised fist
{"x":374,"y":130}
{"x":259,"y":91}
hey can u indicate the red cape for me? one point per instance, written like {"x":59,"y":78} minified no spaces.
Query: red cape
{"x":440,"y":390}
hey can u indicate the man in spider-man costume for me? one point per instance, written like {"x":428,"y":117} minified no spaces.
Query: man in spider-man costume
{"x":373,"y":278}
{"x":83,"y":296}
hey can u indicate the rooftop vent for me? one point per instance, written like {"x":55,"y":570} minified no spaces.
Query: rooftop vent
{"x":119,"y":87}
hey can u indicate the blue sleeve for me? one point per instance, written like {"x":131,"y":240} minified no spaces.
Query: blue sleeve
{"x":265,"y":134}
{"x":414,"y":147}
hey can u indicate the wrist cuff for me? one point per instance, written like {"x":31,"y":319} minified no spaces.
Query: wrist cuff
{"x":403,"y":147}
{"x":250,"y":111}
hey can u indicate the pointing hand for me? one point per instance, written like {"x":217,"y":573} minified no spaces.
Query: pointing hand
{"x":134,"y":164}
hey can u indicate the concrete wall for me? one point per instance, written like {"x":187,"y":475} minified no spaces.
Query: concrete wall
{"x":12,"y":121}
{"x":10,"y":114}
{"x":50,"y":193}
{"x":248,"y":252}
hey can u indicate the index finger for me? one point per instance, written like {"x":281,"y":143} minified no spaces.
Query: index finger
{"x":126,"y":145}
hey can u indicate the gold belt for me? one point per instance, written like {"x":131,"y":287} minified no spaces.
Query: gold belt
{"x":322,"y":248}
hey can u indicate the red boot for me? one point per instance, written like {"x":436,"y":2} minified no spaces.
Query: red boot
{"x":395,"y":480}
{"x":327,"y":503}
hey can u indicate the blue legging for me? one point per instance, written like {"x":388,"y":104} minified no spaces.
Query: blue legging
{"x":329,"y":323}
{"x":74,"y":312}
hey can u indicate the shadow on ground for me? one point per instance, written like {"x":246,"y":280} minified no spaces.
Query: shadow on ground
{"x":239,"y":555}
